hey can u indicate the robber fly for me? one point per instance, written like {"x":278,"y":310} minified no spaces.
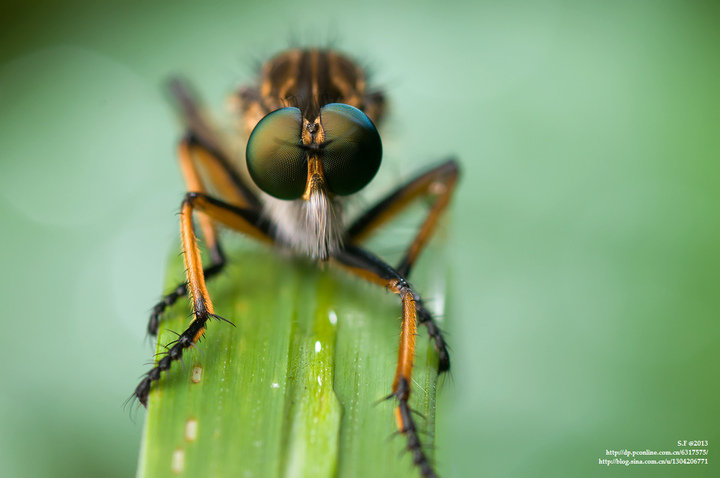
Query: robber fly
{"x":312,"y":143}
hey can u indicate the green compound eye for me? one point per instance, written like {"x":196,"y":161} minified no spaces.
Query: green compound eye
{"x":275,"y":157}
{"x":352,"y":151}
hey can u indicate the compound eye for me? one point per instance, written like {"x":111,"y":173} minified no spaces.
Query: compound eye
{"x":352,"y":151}
{"x":275,"y":157}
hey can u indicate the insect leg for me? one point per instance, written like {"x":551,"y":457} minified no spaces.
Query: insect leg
{"x":440,"y":182}
{"x":193,"y":155}
{"x":370,"y":267}
{"x":246,"y":221}
{"x":217,"y":265}
{"x":201,"y":304}
{"x":201,"y":133}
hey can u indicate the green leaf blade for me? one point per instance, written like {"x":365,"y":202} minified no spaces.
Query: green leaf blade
{"x":290,"y":390}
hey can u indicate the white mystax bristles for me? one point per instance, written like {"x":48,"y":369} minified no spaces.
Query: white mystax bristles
{"x":312,"y":228}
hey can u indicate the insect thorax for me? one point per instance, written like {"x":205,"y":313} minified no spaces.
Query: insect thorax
{"x":308,"y":79}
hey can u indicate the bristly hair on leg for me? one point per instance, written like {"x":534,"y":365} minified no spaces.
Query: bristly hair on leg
{"x":411,"y":432}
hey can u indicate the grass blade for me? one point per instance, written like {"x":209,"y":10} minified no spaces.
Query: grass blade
{"x":289,"y":391}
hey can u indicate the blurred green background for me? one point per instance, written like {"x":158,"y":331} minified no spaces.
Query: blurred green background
{"x":585,"y":235}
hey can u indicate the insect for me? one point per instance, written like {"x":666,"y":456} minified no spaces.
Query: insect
{"x":312,"y":144}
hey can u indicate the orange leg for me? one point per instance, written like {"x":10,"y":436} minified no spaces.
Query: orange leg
{"x":243,"y":220}
{"x":370,"y":267}
{"x":201,"y":156}
{"x":438,"y":182}
{"x":195,"y":156}
{"x":203,"y":141}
